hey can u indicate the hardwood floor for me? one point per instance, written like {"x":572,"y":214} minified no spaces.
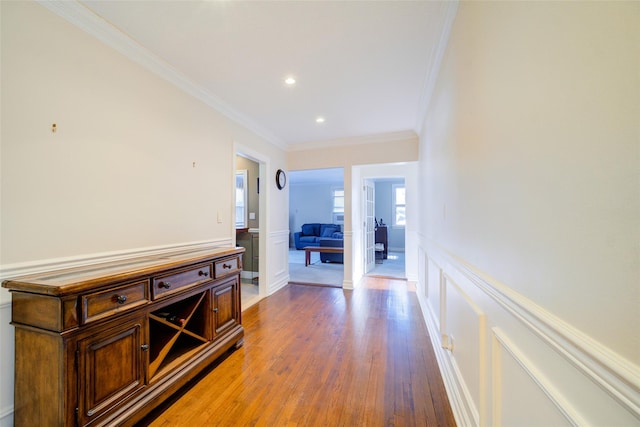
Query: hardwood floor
{"x":321,"y":356}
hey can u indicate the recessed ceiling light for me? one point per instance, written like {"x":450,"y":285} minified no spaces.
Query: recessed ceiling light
{"x":319,"y":119}
{"x":290,"y":81}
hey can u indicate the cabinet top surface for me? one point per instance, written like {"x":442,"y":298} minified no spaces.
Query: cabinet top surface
{"x":77,"y":279}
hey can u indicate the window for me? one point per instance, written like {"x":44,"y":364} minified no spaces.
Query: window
{"x":338,"y":201}
{"x":399,"y":206}
{"x":241,"y":199}
{"x":338,"y":206}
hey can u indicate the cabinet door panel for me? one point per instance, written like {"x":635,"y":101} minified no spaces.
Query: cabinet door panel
{"x":225,"y":305}
{"x":112,"y":364}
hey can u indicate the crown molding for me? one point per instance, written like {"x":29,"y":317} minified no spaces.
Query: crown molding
{"x":450,"y":8}
{"x":357,"y":140}
{"x":83,"y":18}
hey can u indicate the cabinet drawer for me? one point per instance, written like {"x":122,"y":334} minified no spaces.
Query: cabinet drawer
{"x":178,"y":280}
{"x":227,"y":266}
{"x":103,"y":304}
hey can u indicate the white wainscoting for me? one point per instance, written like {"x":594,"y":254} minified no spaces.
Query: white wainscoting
{"x":464,"y":336}
{"x":435,"y":293}
{"x":278,"y":248}
{"x":513,"y":374}
{"x":348,"y":281}
{"x":506,"y":361}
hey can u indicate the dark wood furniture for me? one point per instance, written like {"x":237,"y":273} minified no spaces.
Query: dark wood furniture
{"x":382,"y":236}
{"x":326,"y":249}
{"x":104,"y":344}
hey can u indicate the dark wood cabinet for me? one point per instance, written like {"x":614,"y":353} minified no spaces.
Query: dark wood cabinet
{"x":104,"y":344}
{"x":382,"y":237}
{"x":224,"y":306}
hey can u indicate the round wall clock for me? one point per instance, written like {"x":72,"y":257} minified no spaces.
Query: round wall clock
{"x":281,"y":179}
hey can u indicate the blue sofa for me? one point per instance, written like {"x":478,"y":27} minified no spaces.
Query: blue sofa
{"x":311,"y":234}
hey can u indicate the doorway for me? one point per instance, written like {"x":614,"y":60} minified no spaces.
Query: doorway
{"x":247,"y":226}
{"x":389,"y":227}
{"x":402,"y":241}
{"x":316,"y":220}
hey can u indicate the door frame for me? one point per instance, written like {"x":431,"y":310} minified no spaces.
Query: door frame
{"x":263,"y":162}
{"x":369,"y":233}
{"x":407,"y":170}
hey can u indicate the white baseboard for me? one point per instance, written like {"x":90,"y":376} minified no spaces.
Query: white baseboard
{"x":6,"y":417}
{"x":276,"y":286}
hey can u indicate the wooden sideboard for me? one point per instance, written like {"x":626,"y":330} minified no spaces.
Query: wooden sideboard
{"x":104,"y":344}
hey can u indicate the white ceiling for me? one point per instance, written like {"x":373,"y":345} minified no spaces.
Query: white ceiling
{"x":363,"y":65}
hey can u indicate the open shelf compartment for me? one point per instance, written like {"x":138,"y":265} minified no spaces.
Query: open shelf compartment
{"x":177,"y":331}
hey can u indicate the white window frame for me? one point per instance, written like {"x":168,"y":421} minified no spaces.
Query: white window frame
{"x":241,"y":204}
{"x":336,"y":209}
{"x":337,"y":212}
{"x":396,"y":205}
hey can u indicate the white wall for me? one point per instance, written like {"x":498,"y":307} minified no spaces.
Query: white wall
{"x":118,"y":176}
{"x":310,"y":203}
{"x":529,"y":259}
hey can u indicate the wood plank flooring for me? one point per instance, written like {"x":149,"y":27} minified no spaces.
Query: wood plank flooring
{"x":321,"y":356}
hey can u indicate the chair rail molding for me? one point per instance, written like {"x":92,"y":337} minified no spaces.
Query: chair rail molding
{"x":52,"y":264}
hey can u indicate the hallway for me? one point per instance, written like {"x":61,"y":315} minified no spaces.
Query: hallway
{"x":320,"y":356}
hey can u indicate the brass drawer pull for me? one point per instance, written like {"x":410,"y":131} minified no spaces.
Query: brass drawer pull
{"x":203,"y":273}
{"x":227,"y":266}
{"x":165,"y":285}
{"x":121,"y":299}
